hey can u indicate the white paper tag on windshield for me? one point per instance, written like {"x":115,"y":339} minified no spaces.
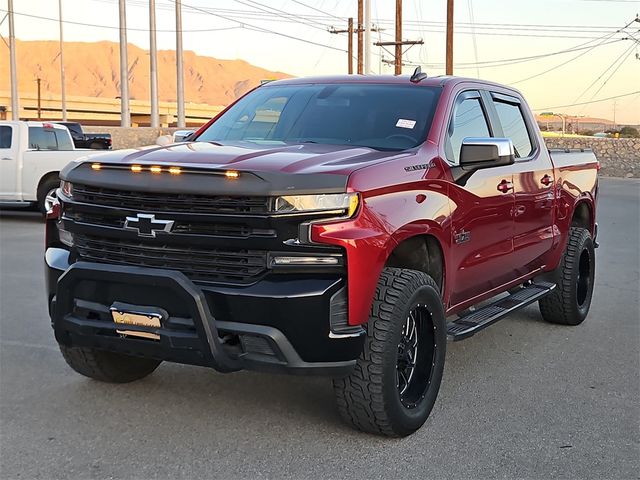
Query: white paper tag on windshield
{"x":402,"y":123}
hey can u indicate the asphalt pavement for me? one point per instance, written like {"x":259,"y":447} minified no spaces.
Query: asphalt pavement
{"x":522,"y":399}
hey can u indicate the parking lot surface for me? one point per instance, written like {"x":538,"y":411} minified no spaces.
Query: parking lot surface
{"x":521,"y":399}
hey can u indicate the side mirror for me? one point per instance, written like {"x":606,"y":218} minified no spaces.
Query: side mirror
{"x":476,"y":153}
{"x":182,"y":135}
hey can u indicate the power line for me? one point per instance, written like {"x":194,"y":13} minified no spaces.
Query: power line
{"x":589,"y":102}
{"x":261,"y":29}
{"x":629,"y":51}
{"x":604,"y":72}
{"x":318,"y":10}
{"x":473,"y":36}
{"x":281,"y":13}
{"x":114,"y":27}
{"x":330,"y":18}
{"x":514,"y":61}
{"x":603,"y":40}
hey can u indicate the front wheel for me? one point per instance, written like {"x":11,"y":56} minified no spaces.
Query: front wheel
{"x":397,"y":378}
{"x":569,"y":302}
{"x":46,"y":195}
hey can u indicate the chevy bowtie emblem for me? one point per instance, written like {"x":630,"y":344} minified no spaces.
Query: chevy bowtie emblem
{"x":147,"y":225}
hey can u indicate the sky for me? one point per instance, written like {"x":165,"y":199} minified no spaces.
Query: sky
{"x":291,"y":36}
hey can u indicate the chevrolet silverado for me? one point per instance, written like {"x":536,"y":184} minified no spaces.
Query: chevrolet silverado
{"x":344,"y":226}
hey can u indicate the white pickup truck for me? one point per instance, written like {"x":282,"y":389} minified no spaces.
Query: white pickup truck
{"x":31,"y":156}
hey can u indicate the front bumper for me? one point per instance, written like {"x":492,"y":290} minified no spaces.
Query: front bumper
{"x":279,"y":324}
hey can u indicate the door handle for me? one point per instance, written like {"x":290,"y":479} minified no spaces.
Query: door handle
{"x":6,"y":158}
{"x":504,"y":186}
{"x":546,"y":180}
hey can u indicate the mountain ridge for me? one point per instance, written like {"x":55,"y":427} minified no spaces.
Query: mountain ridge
{"x":93,"y":69}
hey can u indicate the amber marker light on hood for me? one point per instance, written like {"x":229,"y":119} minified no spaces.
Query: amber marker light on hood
{"x":136,"y":168}
{"x":231,"y":174}
{"x":175,"y":170}
{"x":155,"y":169}
{"x":96,"y":166}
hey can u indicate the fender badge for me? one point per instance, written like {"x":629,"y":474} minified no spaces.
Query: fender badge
{"x":462,"y":236}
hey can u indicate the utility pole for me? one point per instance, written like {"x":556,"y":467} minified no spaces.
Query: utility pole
{"x":63,"y":97}
{"x":449,"y":62}
{"x":367,"y":37}
{"x":398,"y":43}
{"x":15,"y":112}
{"x":398,"y":55}
{"x":38,"y":80}
{"x":153,"y":65}
{"x":360,"y":32}
{"x":125,"y":113}
{"x":349,"y":32}
{"x":179,"y":68}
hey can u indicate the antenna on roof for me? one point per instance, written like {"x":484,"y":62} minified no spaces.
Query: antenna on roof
{"x":418,"y":75}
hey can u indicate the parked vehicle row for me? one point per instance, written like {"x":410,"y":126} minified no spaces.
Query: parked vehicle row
{"x":32,"y":154}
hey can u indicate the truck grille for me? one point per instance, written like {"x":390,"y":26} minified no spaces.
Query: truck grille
{"x":218,"y":229}
{"x":170,"y":202}
{"x":200,"y":265}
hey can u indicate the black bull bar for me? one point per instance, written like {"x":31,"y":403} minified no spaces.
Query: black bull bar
{"x":204,"y":347}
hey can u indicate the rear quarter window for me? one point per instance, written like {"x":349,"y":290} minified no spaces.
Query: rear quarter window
{"x":514,"y":127}
{"x":63,"y":139}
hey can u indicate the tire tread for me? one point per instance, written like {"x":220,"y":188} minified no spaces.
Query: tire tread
{"x":360,"y":396}
{"x":559,"y":306}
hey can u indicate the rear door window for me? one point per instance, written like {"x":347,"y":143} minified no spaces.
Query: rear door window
{"x":5,"y":136}
{"x":514,"y":127}
{"x":41,"y":138}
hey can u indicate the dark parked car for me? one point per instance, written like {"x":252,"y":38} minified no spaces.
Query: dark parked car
{"x":95,"y":141}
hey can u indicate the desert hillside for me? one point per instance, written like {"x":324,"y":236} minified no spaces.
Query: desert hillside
{"x":93,"y":69}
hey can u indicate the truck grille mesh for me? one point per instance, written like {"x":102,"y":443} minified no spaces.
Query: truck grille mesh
{"x":201,"y":265}
{"x":170,"y":202}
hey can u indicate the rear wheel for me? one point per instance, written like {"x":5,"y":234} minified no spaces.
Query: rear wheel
{"x":108,"y":366}
{"x":569,"y":302}
{"x":397,"y":377}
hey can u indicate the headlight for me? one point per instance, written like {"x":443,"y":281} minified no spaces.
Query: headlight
{"x":341,"y":203}
{"x":66,"y":188}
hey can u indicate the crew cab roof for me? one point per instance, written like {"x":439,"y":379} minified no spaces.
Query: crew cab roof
{"x":438,"y":81}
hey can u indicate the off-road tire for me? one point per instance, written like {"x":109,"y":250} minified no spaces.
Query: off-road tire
{"x":569,"y":302}
{"x":96,"y":146}
{"x":108,"y":366}
{"x":369,"y":398}
{"x":51,"y":183}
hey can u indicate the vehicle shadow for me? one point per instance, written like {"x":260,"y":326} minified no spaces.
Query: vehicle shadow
{"x":178,"y":396}
{"x":30,"y":216}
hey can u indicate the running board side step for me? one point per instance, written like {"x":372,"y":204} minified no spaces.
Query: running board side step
{"x":469,"y":325}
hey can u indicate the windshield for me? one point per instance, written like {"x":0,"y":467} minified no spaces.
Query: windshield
{"x":383,"y":117}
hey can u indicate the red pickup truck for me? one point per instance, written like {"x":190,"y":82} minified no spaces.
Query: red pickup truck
{"x":344,"y":226}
